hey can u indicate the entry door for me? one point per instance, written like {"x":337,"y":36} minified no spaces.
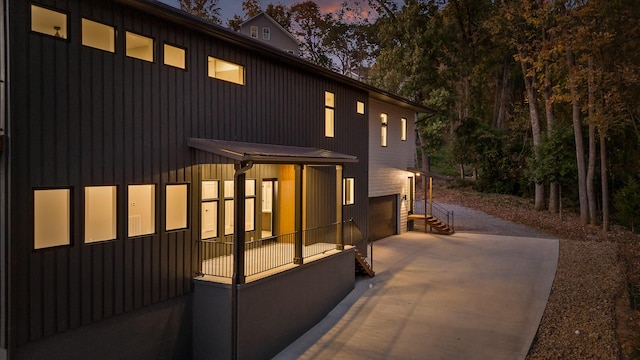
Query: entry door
{"x":269,"y":201}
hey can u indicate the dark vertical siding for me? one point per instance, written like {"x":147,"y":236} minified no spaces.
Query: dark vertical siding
{"x":82,"y":117}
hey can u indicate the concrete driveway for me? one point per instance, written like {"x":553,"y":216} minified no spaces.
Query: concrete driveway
{"x":465,"y":296}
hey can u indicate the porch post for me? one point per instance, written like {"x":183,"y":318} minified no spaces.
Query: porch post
{"x":297,"y":257}
{"x":339,"y":195}
{"x":238,"y":247}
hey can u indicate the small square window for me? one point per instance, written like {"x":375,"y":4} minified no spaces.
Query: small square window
{"x":224,"y":70}
{"x":48,"y":22}
{"x":51,"y":218}
{"x":403,"y":129}
{"x":209,"y":190}
{"x":139,"y":47}
{"x":266,"y":33}
{"x":174,"y":56}
{"x":329,"y":99}
{"x":360,"y":107}
{"x":99,"y":36}
{"x":348,"y":185}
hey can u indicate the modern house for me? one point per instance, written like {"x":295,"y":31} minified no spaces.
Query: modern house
{"x":172,"y":189}
{"x":264,"y":28}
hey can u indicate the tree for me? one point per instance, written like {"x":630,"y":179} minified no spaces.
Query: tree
{"x":205,"y":9}
{"x":310,"y":25}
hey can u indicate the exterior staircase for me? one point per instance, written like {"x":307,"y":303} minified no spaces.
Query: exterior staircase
{"x":362,"y":266}
{"x":438,"y":225}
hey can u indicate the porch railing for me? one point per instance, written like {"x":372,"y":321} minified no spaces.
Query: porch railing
{"x":271,"y":252}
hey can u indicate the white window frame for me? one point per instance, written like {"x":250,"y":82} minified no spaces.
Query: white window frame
{"x":266,"y":33}
{"x":254,"y":31}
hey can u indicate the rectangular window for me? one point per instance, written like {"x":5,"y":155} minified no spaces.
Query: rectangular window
{"x":250,"y":206}
{"x":139,"y":47}
{"x":384,"y":130}
{"x":100,"y":213}
{"x":209,"y":209}
{"x":403,"y":131}
{"x":228,"y":217}
{"x":329,"y":114}
{"x":51,"y":218}
{"x":142,"y":209}
{"x":360,"y":107}
{"x":174,"y":56}
{"x":348,"y":191}
{"x":48,"y":22}
{"x":224,"y":70}
{"x":254,"y":32}
{"x":99,"y":36}
{"x":177,"y":200}
{"x":266,"y":33}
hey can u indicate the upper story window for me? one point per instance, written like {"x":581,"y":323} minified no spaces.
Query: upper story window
{"x":49,"y":22}
{"x":99,"y":36}
{"x":139,"y":47}
{"x":329,"y":114}
{"x":384,"y":129}
{"x":224,"y":70}
{"x":360,"y":107}
{"x":403,"y":129}
{"x":174,"y":56}
{"x":266,"y":33}
{"x":100,"y":213}
{"x":176,"y":209}
{"x":51,"y":218}
{"x":254,"y":32}
{"x":142,"y":209}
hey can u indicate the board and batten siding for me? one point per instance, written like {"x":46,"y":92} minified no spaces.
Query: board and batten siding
{"x":82,"y":117}
{"x":388,"y":165}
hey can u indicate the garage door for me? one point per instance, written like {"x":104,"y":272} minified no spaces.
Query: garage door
{"x":383,"y":219}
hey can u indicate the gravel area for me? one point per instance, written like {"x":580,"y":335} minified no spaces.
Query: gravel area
{"x":587,"y":314}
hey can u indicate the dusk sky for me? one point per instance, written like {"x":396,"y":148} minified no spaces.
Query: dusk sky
{"x":232,"y":7}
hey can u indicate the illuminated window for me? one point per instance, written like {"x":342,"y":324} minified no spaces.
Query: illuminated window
{"x":99,"y":36}
{"x":348,"y":188}
{"x":209,"y":209}
{"x":360,"y":107}
{"x":141,"y":209}
{"x":51,"y":218}
{"x":254,"y":32}
{"x":139,"y":47}
{"x":100,"y":213}
{"x":384,"y":130}
{"x":48,"y":22}
{"x":250,"y":206}
{"x":174,"y":56}
{"x":224,"y":70}
{"x":403,"y":131}
{"x":176,"y":208}
{"x":329,"y":114}
{"x":266,"y":33}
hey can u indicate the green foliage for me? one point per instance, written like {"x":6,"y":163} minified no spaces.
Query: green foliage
{"x":205,"y":9}
{"x":626,"y":202}
{"x":555,"y":161}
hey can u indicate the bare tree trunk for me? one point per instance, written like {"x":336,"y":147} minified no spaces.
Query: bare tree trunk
{"x":577,"y":132}
{"x":462,"y":171}
{"x":604,"y":179}
{"x":554,"y":193}
{"x":426,"y":160}
{"x":529,"y":81}
{"x":593,"y":151}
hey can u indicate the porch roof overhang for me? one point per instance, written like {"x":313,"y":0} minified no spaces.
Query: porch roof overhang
{"x":270,"y":153}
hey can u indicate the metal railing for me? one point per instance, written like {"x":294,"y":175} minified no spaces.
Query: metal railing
{"x":442,"y":214}
{"x":272,"y":252}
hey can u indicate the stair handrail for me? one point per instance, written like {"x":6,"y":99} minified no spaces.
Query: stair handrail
{"x":349,"y":227}
{"x":441,"y":213}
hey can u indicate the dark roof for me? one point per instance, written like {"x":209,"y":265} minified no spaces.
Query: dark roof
{"x":169,"y":13}
{"x":269,"y":153}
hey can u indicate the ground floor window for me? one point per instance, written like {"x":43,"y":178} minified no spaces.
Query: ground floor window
{"x":100,"y":209}
{"x":176,"y":206}
{"x":141,"y":208}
